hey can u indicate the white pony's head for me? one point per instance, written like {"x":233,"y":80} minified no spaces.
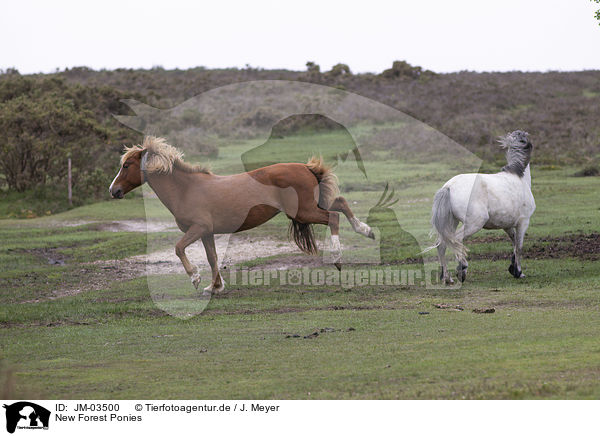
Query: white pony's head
{"x":518,"y":151}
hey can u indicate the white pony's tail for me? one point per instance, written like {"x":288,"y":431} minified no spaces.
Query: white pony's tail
{"x":444,"y":223}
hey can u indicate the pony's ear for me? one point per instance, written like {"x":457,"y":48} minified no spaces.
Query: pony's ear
{"x":143,"y":160}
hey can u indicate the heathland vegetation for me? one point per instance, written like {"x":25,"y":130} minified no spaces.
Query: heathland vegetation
{"x":46,"y":118}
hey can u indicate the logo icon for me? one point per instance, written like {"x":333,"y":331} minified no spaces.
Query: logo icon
{"x":26,"y":415}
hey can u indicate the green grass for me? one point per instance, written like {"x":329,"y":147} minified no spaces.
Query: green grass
{"x":128,"y":208}
{"x":36,"y":261}
{"x":541,"y":343}
{"x":112,"y":340}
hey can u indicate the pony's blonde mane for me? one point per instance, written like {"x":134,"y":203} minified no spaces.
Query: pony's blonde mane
{"x":162,"y":157}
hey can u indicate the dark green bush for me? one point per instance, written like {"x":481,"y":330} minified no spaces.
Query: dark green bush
{"x":588,"y":171}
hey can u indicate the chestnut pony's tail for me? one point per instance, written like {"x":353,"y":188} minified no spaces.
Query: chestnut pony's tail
{"x":303,"y":234}
{"x":328,"y":181}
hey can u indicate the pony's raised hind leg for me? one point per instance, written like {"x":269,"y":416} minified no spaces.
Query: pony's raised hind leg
{"x":441,"y":249}
{"x":341,"y":205}
{"x":217,"y":283}
{"x":192,"y":235}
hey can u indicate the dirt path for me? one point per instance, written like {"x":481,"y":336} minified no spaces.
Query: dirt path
{"x":99,"y":274}
{"x":231,"y":251}
{"x":125,"y":225}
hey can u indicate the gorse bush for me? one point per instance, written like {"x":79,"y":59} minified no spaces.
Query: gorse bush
{"x":402,"y":69}
{"x":38,"y":134}
{"x":339,"y":70}
{"x":43,"y":122}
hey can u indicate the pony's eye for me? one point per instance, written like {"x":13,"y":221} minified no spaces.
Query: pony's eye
{"x":125,"y":166}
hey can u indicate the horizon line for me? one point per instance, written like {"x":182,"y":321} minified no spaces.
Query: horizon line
{"x":248,"y":67}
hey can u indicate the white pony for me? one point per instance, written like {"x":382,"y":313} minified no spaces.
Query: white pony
{"x":490,"y":201}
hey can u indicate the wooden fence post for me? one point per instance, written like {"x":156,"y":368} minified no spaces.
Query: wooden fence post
{"x":70,"y":192}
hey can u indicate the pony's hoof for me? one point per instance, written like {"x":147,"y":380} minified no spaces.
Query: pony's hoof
{"x":212,"y":289}
{"x":338,"y":266}
{"x":461,"y":272}
{"x":446,"y":279}
{"x":362,"y":228}
{"x":516,"y":273}
{"x":196,"y":280}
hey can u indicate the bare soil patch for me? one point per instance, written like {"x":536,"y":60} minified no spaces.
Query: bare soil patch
{"x":99,"y":274}
{"x":585,"y":247}
{"x":579,"y":246}
{"x":231,"y":251}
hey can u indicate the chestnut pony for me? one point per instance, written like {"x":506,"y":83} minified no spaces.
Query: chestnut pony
{"x":205,"y":204}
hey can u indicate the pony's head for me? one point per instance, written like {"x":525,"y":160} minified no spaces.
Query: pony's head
{"x":154,"y":156}
{"x":518,"y":151}
{"x":130,"y":174}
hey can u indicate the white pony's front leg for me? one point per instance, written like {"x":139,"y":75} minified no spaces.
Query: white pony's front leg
{"x":515,"y":268}
{"x":512,"y":235}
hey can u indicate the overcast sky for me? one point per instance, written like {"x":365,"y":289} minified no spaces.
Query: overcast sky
{"x":441,"y":35}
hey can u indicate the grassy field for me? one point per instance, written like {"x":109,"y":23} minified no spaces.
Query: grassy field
{"x":110,"y":339}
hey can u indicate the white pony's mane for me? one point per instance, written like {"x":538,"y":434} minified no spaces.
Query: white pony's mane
{"x":518,"y":152}
{"x":162,"y":157}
